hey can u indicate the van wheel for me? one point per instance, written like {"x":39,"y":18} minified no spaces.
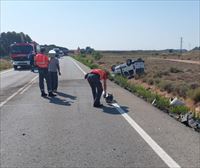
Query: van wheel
{"x":15,"y":67}
{"x":113,"y":67}
{"x":128,"y":62}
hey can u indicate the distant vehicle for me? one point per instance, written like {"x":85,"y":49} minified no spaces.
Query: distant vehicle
{"x":130,"y":68}
{"x":20,"y":53}
{"x":59,"y":52}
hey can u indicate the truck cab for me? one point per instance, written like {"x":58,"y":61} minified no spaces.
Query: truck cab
{"x":21,"y":53}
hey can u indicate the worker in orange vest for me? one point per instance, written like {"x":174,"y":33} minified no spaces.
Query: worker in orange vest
{"x":94,"y":79}
{"x":42,"y":62}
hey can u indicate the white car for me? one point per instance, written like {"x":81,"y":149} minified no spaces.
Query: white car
{"x":130,"y":68}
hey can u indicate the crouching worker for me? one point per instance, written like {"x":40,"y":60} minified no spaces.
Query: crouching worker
{"x":42,"y":62}
{"x":54,"y":70}
{"x":94,"y":79}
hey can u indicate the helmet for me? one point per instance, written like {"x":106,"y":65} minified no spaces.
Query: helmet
{"x":52,"y":52}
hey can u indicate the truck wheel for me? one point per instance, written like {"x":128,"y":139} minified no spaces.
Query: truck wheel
{"x":15,"y":67}
{"x":128,"y":62}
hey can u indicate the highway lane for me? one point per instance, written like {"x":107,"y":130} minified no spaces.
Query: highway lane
{"x":11,"y":81}
{"x":67,"y":131}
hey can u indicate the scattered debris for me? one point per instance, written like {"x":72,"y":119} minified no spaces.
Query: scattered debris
{"x":176,"y":102}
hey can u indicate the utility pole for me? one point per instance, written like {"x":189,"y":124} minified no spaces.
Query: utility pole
{"x":181,"y":45}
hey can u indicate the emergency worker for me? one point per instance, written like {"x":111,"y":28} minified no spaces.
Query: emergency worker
{"x":94,"y":79}
{"x":42,"y":62}
{"x":54,"y":70}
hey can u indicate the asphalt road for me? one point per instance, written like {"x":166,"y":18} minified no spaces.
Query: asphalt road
{"x":66,"y":131}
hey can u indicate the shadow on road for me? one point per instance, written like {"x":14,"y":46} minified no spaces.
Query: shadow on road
{"x":61,"y":101}
{"x":112,"y":110}
{"x":66,"y":95}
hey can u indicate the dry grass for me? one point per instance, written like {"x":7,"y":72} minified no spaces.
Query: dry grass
{"x":5,"y":64}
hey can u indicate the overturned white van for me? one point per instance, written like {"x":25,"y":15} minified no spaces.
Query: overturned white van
{"x":130,"y":68}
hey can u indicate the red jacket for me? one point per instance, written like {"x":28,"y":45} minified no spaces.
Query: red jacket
{"x":100,"y":72}
{"x":42,"y":61}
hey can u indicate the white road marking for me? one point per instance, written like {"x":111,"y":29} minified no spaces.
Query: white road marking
{"x":18,"y":91}
{"x":29,"y":85}
{"x":78,"y":66}
{"x":6,"y":71}
{"x":156,"y":148}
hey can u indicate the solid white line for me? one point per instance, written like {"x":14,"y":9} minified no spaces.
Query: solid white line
{"x":29,"y":85}
{"x":6,"y":71}
{"x":78,"y":66}
{"x":156,"y":148}
{"x":17,"y":92}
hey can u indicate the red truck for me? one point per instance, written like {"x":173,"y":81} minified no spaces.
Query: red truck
{"x":21,"y":54}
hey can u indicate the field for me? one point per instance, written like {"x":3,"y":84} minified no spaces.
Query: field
{"x":168,"y":78}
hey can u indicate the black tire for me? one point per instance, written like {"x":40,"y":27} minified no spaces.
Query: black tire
{"x":113,"y":67}
{"x":128,"y":62}
{"x":15,"y":67}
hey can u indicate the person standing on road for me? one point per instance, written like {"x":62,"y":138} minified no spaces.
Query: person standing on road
{"x":94,"y":79}
{"x":53,"y":70}
{"x":42,"y":62}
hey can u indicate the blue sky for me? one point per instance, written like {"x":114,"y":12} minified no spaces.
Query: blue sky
{"x":105,"y":25}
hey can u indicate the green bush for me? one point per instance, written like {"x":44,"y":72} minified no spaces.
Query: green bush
{"x":179,"y":109}
{"x":162,"y":102}
{"x":96,"y":55}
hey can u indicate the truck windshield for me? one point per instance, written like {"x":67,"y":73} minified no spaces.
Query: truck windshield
{"x":26,"y":49}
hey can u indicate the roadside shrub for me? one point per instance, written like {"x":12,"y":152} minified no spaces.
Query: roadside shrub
{"x":159,"y":74}
{"x":195,"y":94}
{"x":182,"y":90}
{"x":157,"y":81}
{"x":5,"y":64}
{"x":150,"y":81}
{"x":179,"y":109}
{"x":96,"y":55}
{"x":162,"y":102}
{"x":166,"y":86}
{"x":174,"y":70}
{"x":194,"y":85}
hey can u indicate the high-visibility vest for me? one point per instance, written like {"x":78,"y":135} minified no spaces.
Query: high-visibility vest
{"x":100,"y":72}
{"x":42,"y":61}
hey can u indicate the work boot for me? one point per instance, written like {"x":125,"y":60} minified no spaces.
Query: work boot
{"x":43,"y":94}
{"x":51,"y":94}
{"x":98,"y":105}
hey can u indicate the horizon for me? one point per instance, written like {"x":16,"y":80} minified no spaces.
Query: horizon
{"x":106,"y":25}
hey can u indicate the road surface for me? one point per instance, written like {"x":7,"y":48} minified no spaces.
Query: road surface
{"x":66,"y":131}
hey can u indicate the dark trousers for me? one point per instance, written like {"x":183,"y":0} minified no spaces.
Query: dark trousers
{"x":53,"y":80}
{"x":43,"y":74}
{"x":96,"y":86}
